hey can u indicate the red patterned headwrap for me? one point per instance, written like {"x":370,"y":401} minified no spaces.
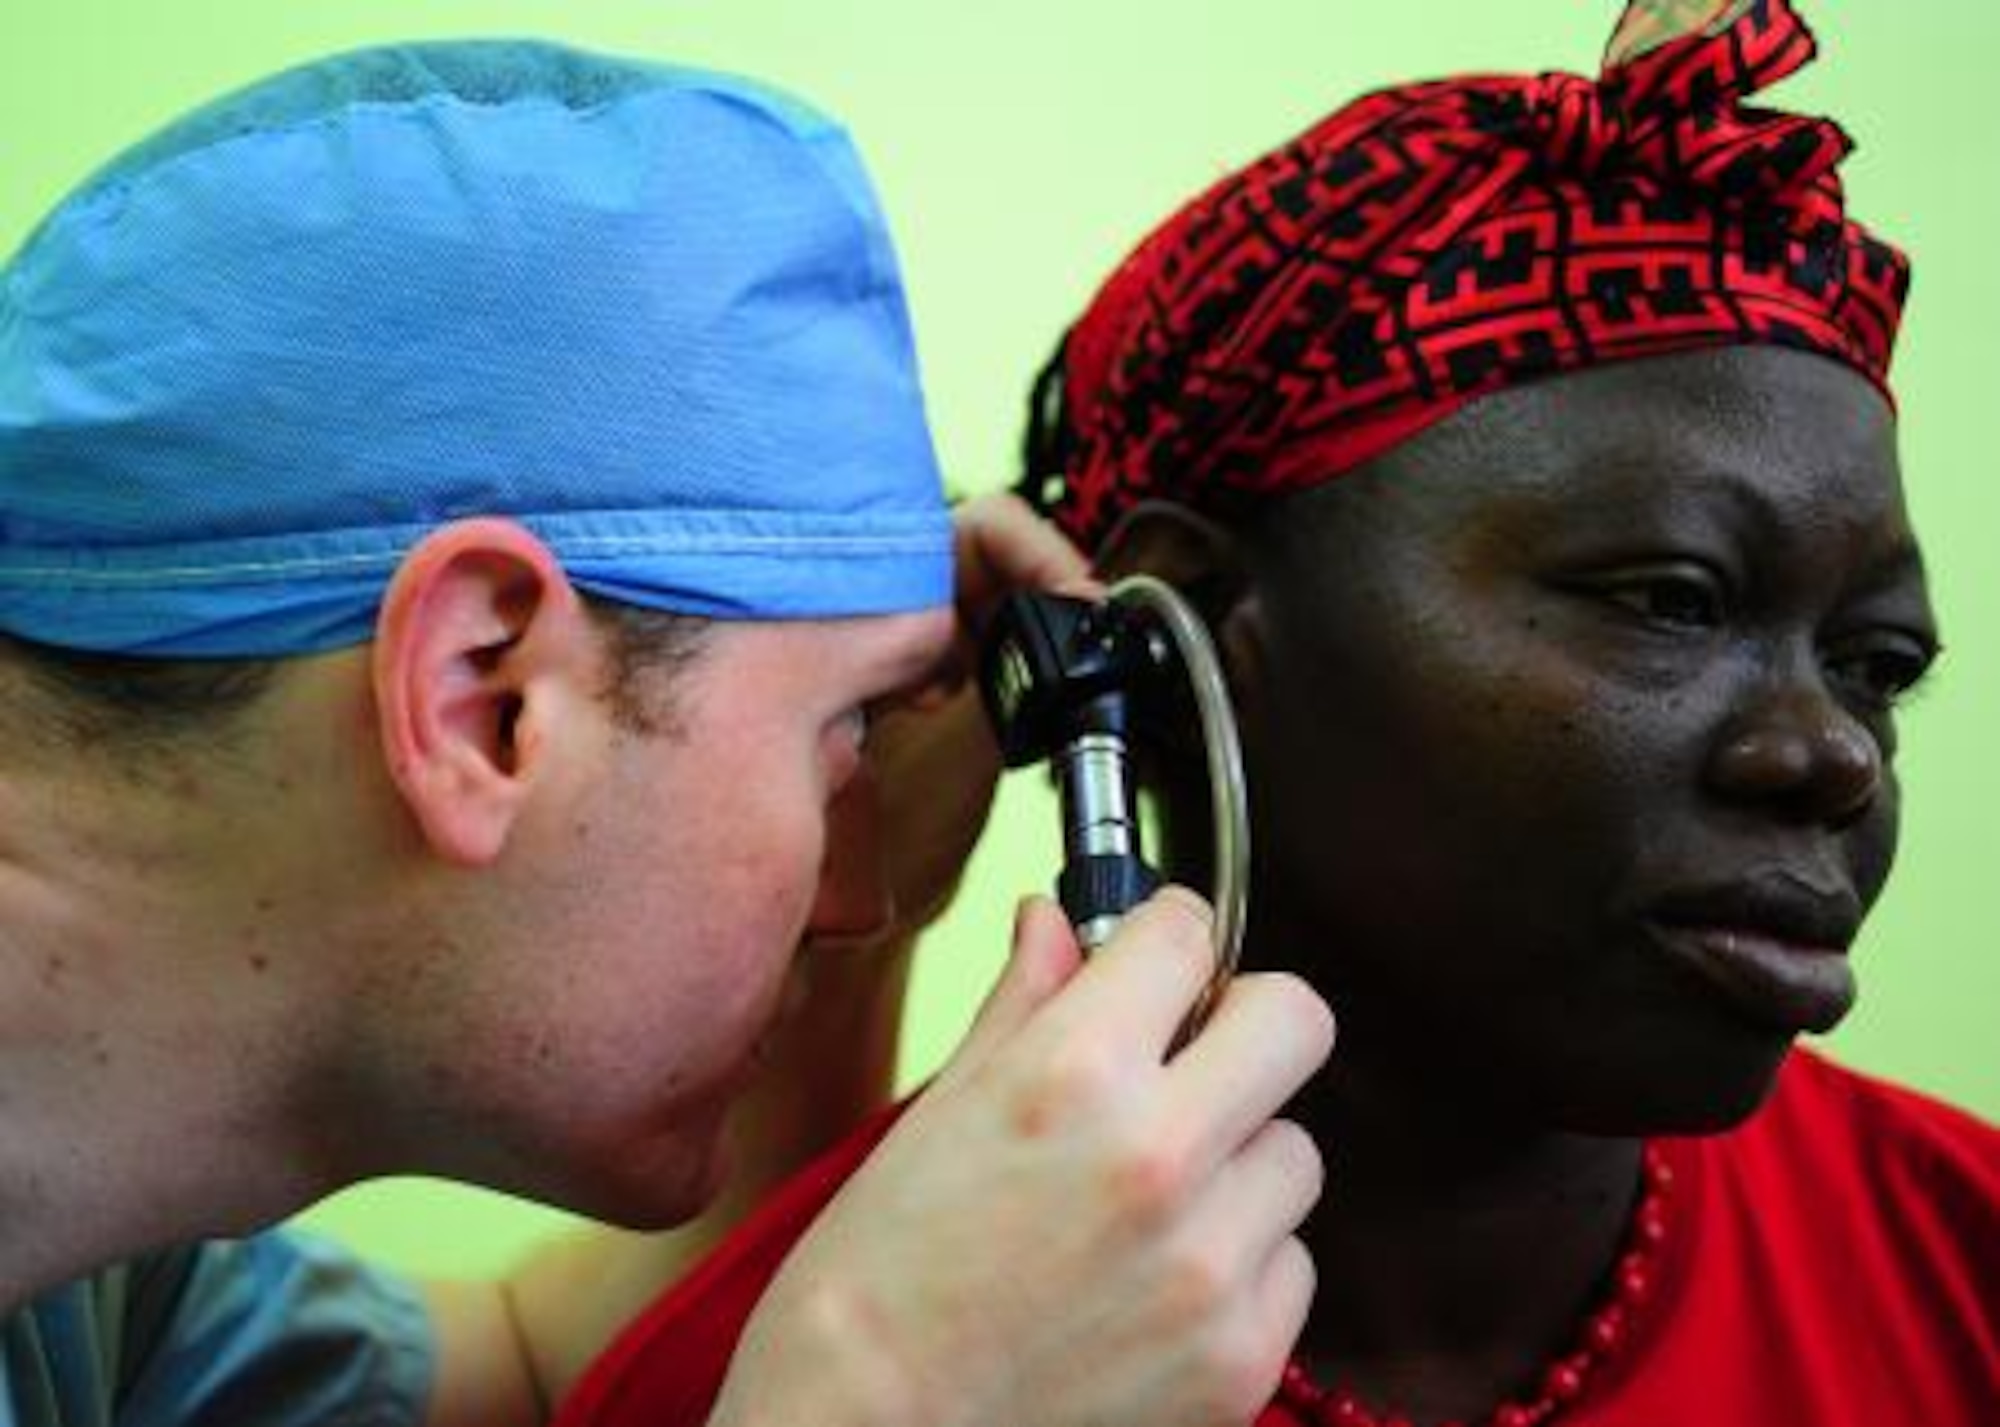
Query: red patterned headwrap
{"x":1435,"y":242}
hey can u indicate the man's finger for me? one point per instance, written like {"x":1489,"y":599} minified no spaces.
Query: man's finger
{"x":1003,"y":545}
{"x":1133,"y":995}
{"x":1269,"y":1033}
{"x":1259,"y":1198}
{"x":1043,"y":959}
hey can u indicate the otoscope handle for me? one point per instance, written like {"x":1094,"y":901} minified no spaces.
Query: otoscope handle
{"x":1098,"y":889}
{"x":1104,"y":872}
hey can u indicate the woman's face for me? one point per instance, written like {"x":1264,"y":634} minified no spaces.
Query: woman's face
{"x":1572,"y":734}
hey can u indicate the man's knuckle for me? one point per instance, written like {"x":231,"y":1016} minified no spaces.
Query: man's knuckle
{"x":1061,"y":1086}
{"x":1148,"y":1179}
{"x":1236,"y":1375}
{"x":1192,"y":1290}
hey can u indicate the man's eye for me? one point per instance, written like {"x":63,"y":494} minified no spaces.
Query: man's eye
{"x":1680,"y":598}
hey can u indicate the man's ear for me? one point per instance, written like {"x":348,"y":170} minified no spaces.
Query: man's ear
{"x":481,"y":642}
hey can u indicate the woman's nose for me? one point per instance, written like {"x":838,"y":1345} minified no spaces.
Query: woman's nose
{"x":1797,"y":747}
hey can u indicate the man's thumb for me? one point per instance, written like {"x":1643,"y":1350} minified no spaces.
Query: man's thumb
{"x":1044,"y":957}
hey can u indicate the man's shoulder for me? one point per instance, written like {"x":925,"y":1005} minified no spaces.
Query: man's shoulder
{"x":276,"y":1328}
{"x":69,"y":1354}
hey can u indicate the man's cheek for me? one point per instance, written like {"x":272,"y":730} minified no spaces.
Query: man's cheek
{"x":853,"y":897}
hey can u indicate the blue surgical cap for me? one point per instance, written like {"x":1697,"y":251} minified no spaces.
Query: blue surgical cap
{"x":651,"y":313}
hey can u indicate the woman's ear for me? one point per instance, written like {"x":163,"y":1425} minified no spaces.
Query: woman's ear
{"x":1199,"y":557}
{"x":1205,"y":561}
{"x":1210,"y":565}
{"x":481,"y":644}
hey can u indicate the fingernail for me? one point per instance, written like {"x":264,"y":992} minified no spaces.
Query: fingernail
{"x":1187,"y":899}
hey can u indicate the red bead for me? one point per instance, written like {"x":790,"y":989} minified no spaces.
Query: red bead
{"x":1344,"y":1411}
{"x":1606,"y":1332}
{"x":1565,"y":1380}
{"x":1635,"y":1278}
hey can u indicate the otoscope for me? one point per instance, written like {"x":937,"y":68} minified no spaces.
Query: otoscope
{"x":1078,"y":682}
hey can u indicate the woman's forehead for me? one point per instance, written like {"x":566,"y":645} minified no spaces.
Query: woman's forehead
{"x":1753,"y":413}
{"x":1770,"y":443}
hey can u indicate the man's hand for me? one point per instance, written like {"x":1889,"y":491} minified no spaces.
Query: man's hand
{"x":1068,"y":1228}
{"x":932,"y":759}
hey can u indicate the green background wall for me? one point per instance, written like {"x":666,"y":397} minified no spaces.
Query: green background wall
{"x":1020,"y":149}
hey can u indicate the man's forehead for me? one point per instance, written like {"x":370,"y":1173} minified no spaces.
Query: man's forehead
{"x":903,"y":647}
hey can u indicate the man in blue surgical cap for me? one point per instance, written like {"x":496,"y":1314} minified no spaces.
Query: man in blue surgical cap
{"x":461,"y":504}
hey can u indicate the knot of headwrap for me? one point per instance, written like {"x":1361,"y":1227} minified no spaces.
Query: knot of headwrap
{"x":1579,"y":125}
{"x":1432,"y":243}
{"x":1679,"y":117}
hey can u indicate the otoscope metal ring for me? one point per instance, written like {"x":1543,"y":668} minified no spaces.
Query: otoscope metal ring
{"x":1229,"y":804}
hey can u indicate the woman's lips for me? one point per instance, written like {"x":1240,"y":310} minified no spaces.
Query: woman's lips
{"x":1777,"y":983}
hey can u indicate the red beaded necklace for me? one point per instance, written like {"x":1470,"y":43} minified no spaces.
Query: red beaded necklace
{"x":1604,"y":1331}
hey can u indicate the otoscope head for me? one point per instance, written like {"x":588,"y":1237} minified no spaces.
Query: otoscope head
{"x":1055,"y":668}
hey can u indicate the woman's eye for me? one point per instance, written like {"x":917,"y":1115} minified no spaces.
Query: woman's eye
{"x":1880,"y":674}
{"x":1679,"y":598}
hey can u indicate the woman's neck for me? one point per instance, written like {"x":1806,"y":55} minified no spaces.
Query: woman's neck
{"x":1458,"y":1253}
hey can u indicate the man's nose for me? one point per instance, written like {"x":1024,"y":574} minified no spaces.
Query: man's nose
{"x":853,"y":900}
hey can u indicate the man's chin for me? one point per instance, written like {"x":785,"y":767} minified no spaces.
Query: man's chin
{"x":666,"y":1188}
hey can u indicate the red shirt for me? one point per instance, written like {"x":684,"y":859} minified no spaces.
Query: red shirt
{"x":1833,"y":1262}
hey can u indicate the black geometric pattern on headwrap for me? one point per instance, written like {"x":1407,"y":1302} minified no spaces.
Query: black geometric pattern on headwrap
{"x":1437,"y":241}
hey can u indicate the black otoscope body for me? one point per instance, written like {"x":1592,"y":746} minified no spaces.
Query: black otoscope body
{"x":1073,"y":681}
{"x":1060,"y":677}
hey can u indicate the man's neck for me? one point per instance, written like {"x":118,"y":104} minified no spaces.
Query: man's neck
{"x":150,"y":1061}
